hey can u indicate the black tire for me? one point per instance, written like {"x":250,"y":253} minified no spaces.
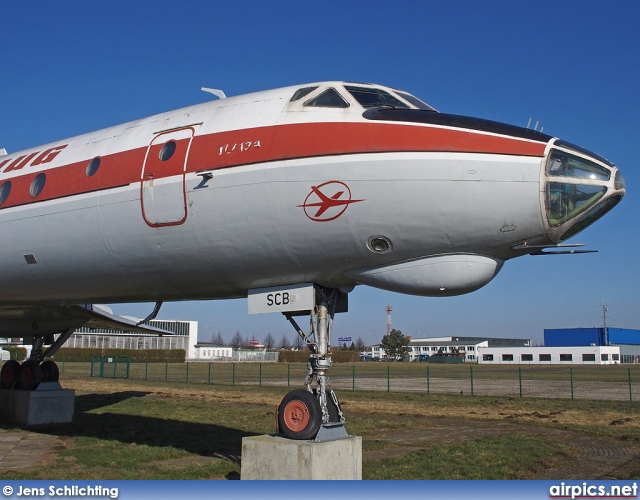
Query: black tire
{"x":9,"y":374}
{"x":299,"y":415}
{"x":30,"y":375}
{"x":50,"y":371}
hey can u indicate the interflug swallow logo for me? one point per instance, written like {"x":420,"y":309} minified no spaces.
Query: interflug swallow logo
{"x":328,"y":201}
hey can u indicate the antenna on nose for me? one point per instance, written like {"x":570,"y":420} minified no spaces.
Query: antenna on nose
{"x":536,"y":126}
{"x":216,"y":92}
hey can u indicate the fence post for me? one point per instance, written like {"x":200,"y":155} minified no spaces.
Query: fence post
{"x":353,"y":377}
{"x":571,"y":375}
{"x":146,"y":370}
{"x":428,"y":383}
{"x":187,"y":363}
{"x":388,"y":378}
{"x":166,"y":371}
{"x":288,"y":374}
{"x":520,"y":379}
{"x":233,"y":374}
{"x":209,"y":376}
{"x":471,"y":371}
{"x":260,"y":380}
{"x":630,"y":393}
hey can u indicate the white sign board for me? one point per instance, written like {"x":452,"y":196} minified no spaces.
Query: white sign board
{"x":292,"y":298}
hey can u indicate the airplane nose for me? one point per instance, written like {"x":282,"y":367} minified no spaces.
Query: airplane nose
{"x":581,"y":187}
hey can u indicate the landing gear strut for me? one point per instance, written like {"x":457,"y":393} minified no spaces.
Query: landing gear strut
{"x":34,"y":370}
{"x":314,"y":412}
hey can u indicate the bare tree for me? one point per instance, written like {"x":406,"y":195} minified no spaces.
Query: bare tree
{"x":284,"y":342}
{"x":237,"y":340}
{"x":360,"y":345}
{"x":217,"y":339}
{"x":298,"y":343}
{"x":269,"y":341}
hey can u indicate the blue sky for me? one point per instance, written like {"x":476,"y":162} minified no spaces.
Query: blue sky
{"x":71,"y":67}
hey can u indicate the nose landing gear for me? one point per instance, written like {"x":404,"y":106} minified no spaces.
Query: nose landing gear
{"x":314,"y":412}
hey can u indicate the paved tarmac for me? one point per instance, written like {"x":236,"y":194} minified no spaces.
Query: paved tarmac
{"x":24,"y":449}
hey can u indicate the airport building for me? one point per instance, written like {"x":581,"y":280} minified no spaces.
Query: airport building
{"x":185,"y":336}
{"x":566,"y":355}
{"x":626,"y":339}
{"x":465,"y":347}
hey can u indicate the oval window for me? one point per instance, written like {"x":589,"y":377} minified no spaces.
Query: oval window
{"x":167,"y":151}
{"x":93,"y":166}
{"x":5,"y":189}
{"x":37,"y":185}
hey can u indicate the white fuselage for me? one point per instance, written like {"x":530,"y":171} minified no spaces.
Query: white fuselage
{"x":261,"y":191}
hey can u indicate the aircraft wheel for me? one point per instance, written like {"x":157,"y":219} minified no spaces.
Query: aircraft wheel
{"x":299,"y":415}
{"x":9,"y":374}
{"x":30,"y":375}
{"x":50,"y":371}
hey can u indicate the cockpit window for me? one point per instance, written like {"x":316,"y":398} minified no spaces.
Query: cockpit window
{"x":415,"y":101}
{"x":328,"y":99}
{"x":372,"y":97}
{"x":561,"y":164}
{"x":565,"y":201}
{"x":300,"y":93}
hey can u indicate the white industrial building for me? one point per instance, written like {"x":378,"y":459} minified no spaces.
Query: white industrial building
{"x":465,"y":347}
{"x":574,"y":355}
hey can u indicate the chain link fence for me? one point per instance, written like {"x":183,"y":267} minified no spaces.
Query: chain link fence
{"x":620,"y":382}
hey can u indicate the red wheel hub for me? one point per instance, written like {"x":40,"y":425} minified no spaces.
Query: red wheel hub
{"x":296,"y":415}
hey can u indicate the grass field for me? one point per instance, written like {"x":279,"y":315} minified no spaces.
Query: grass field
{"x":150,"y":429}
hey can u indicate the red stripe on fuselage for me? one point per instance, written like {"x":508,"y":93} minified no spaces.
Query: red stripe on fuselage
{"x":265,"y":144}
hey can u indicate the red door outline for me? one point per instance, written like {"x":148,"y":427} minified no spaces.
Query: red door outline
{"x":163,"y":196}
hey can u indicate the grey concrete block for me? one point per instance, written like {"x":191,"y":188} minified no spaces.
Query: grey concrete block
{"x":37,"y":407}
{"x":276,"y":457}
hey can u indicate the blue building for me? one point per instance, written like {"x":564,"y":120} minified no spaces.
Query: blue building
{"x":567,"y":337}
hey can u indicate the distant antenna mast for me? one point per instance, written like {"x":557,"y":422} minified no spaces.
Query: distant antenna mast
{"x":606,"y":328}
{"x":388,"y":309}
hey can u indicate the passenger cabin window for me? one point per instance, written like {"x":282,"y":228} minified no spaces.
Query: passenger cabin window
{"x":5,"y":189}
{"x":37,"y":185}
{"x":372,"y":97}
{"x":328,"y":99}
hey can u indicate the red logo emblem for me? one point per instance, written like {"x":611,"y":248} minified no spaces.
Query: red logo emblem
{"x":327,"y":201}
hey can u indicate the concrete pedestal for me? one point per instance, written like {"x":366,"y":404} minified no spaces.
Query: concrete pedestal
{"x":276,"y":457}
{"x":48,"y":404}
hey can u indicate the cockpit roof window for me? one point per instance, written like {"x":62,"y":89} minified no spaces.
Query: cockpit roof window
{"x":418,"y":103}
{"x":300,"y":93}
{"x":330,"y":98}
{"x":372,"y":97}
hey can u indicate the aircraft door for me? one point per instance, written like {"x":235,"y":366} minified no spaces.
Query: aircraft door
{"x":162,"y":187}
